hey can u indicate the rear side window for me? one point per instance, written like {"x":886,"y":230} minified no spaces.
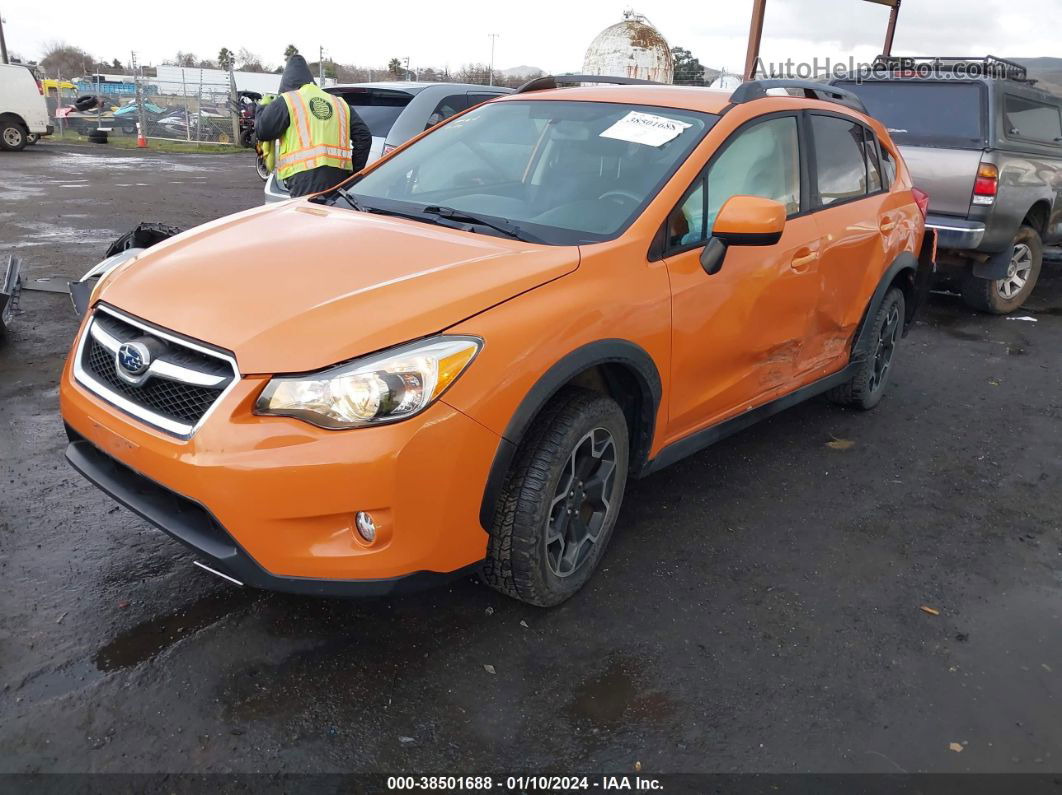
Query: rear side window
{"x":446,"y":108}
{"x":947,"y":114}
{"x":1036,"y":121}
{"x":870,"y":149}
{"x":839,"y":162}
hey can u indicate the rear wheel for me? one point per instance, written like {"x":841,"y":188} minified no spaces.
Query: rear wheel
{"x":13,"y":135}
{"x":560,"y":500}
{"x":260,"y":167}
{"x":32,"y":138}
{"x":1003,"y":296}
{"x":866,"y":387}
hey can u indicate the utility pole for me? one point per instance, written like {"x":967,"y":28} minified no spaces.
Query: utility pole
{"x":141,"y":121}
{"x":3,"y":44}
{"x":320,"y":66}
{"x":493,"y":38}
{"x":755,"y":34}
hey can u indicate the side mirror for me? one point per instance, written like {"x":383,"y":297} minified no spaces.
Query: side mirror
{"x":743,"y":221}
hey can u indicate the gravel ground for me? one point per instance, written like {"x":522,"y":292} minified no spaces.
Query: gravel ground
{"x":759,"y":609}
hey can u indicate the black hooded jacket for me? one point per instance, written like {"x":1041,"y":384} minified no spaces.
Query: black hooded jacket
{"x":271,"y":121}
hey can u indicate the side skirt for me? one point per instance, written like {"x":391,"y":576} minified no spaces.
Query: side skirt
{"x":696,"y":442}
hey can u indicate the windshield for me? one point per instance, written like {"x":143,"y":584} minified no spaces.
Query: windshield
{"x":944,"y":114}
{"x":566,"y":172}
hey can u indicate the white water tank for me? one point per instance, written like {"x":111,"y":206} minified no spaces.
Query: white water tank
{"x":631,"y":48}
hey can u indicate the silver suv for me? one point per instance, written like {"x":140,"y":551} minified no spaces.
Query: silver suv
{"x":396,"y":112}
{"x":988,"y":151}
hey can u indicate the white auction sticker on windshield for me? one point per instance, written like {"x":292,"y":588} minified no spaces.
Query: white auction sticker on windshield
{"x":645,"y":128}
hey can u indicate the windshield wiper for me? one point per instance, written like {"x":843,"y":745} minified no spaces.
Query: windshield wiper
{"x":354,"y":203}
{"x":460,"y":216}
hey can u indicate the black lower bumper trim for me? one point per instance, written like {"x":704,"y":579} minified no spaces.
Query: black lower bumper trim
{"x":193,"y":525}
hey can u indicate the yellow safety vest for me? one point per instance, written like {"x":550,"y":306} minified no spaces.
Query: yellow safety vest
{"x":318,"y":132}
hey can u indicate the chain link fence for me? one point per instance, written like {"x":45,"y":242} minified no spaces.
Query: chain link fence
{"x":188,"y":105}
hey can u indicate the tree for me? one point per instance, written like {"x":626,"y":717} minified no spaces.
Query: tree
{"x":186,"y":59}
{"x":395,"y":67}
{"x":226,"y":59}
{"x":688,"y":70}
{"x":247,"y":61}
{"x":290,"y":50}
{"x":116,"y":65}
{"x":63,"y":59}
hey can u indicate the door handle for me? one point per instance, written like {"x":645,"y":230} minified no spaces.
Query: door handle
{"x":887,"y":226}
{"x":801,"y":263}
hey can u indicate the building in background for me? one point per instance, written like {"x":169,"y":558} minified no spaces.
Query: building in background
{"x":631,"y":48}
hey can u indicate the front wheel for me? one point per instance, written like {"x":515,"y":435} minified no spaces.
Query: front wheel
{"x":32,"y":138}
{"x":560,"y":501}
{"x":1003,"y":296}
{"x":866,"y":387}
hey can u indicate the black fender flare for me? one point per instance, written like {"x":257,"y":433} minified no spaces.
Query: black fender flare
{"x":607,"y":351}
{"x":921,"y":271}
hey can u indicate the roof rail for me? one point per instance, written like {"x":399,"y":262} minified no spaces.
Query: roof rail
{"x":757,"y":89}
{"x":552,"y":81}
{"x":990,"y":65}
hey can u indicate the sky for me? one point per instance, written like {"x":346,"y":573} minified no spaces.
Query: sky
{"x":550,"y":34}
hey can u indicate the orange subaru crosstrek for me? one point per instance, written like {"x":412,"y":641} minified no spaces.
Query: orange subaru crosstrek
{"x":457,"y":360}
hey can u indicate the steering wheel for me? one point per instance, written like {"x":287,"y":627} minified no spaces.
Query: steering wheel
{"x":615,"y":195}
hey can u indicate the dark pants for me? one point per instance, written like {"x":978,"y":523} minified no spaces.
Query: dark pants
{"x":315,"y":180}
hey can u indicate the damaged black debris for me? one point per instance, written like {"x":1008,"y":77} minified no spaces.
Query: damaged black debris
{"x":129,"y":245}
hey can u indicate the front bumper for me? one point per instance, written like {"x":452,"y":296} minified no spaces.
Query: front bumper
{"x":956,"y":233}
{"x":274,"y":192}
{"x":216,"y":550}
{"x":270,"y":501}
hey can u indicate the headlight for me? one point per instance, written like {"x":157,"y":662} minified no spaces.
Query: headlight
{"x":382,"y":388}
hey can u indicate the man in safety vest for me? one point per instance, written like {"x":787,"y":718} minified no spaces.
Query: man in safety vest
{"x":315,"y":132}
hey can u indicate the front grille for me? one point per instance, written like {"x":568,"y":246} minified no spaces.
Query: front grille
{"x":171,"y":399}
{"x":185,"y":403}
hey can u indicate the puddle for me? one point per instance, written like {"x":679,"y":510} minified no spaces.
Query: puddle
{"x":147,"y":640}
{"x":618,"y":696}
{"x":40,"y":233}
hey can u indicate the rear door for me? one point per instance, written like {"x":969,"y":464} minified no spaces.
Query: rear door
{"x":941,"y":128}
{"x":858,"y":227}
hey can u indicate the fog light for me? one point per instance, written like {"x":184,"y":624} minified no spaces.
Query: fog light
{"x":366,"y":526}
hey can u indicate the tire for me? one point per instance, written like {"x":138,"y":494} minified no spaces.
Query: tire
{"x":32,"y":138}
{"x":580,"y":437}
{"x":97,"y":137}
{"x":1003,"y":296}
{"x":866,"y":387}
{"x":247,"y":139}
{"x":13,"y":136}
{"x":260,"y":167}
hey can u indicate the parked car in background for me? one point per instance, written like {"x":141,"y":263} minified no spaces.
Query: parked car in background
{"x":457,"y":361}
{"x":396,"y":112}
{"x":988,"y":151}
{"x":23,"y":111}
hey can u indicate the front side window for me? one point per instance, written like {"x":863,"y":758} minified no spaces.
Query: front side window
{"x":839,"y":163}
{"x":761,"y":160}
{"x":567,"y":171}
{"x":1036,"y":121}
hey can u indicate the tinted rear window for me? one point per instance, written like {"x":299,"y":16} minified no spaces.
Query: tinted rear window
{"x":378,"y":109}
{"x":931,"y":114}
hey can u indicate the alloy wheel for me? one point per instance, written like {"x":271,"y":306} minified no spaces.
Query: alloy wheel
{"x":581,"y":503}
{"x":887,"y":336}
{"x":1018,"y":272}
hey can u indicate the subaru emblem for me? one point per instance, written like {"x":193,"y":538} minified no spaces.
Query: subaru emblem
{"x":133,"y":359}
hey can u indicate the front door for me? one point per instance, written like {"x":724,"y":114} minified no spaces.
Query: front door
{"x":738,"y":335}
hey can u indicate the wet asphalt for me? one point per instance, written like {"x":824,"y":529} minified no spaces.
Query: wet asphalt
{"x":759,"y":608}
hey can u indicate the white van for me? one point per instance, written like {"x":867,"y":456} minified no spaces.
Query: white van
{"x":22,"y":108}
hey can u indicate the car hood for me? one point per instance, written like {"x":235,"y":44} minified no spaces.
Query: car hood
{"x":296,"y":286}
